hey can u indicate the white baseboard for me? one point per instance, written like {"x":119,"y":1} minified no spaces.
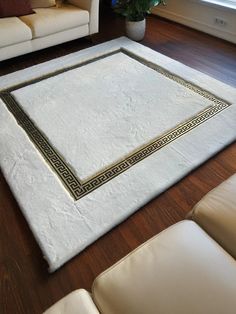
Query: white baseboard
{"x":206,"y":28}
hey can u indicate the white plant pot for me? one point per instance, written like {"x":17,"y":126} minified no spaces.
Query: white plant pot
{"x":136,"y":30}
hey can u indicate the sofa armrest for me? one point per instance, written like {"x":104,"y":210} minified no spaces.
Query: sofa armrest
{"x":93,"y":7}
{"x":77,"y":302}
{"x":216,"y":214}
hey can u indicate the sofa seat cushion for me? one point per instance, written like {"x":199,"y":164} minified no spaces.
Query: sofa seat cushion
{"x":216,"y":213}
{"x":52,"y":20}
{"x":13,"y":31}
{"x":182,"y":270}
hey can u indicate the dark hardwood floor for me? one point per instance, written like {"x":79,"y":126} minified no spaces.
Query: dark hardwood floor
{"x":25,"y":284}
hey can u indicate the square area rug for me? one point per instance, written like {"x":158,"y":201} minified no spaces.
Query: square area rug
{"x":89,"y":138}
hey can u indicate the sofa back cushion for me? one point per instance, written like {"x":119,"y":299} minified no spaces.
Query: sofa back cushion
{"x":15,"y":8}
{"x":42,"y":3}
{"x":52,"y":20}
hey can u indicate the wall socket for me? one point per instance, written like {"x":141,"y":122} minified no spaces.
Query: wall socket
{"x":220,"y":22}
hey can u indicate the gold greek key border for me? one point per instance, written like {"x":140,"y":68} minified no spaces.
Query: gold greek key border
{"x":70,"y":181}
{"x":76,"y":187}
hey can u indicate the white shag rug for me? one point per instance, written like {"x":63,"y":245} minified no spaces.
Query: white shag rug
{"x":87,"y":139}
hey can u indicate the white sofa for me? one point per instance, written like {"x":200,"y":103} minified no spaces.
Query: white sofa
{"x":47,"y":27}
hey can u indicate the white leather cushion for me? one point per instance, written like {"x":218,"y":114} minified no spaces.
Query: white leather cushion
{"x":52,"y":20}
{"x":182,"y":271}
{"x":216,"y":213}
{"x":42,"y":3}
{"x":77,"y":302}
{"x":13,"y":31}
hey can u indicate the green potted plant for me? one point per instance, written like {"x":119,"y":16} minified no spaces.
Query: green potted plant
{"x":135,"y":12}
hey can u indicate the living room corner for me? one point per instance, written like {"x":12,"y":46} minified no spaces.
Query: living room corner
{"x":117,"y":157}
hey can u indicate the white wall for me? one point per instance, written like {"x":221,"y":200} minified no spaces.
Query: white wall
{"x":199,"y":15}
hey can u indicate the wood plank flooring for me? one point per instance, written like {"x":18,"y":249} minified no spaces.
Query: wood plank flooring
{"x":25,"y":284}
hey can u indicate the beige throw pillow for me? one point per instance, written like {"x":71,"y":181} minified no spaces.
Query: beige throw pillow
{"x":42,"y":3}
